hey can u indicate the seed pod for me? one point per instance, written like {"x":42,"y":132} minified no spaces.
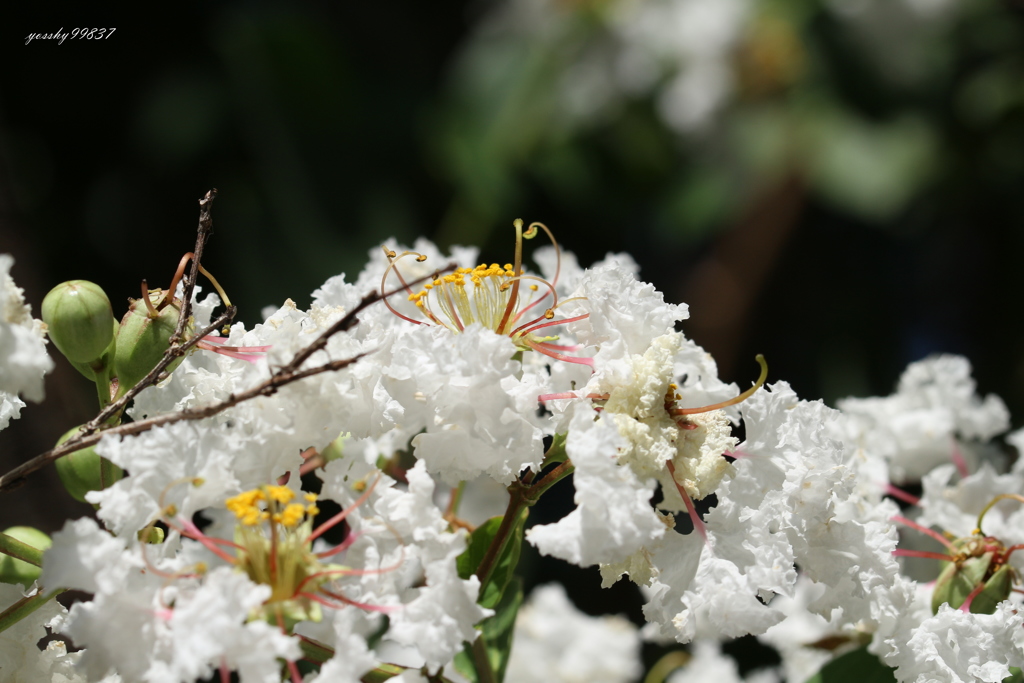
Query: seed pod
{"x":79,"y":319}
{"x":85,"y":470}
{"x":18,"y":571}
{"x":958,"y":581}
{"x":142,"y":339}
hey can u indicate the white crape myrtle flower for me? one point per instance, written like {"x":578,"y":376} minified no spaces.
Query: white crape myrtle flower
{"x":954,"y":508}
{"x":791,"y":502}
{"x":958,"y":647}
{"x":916,"y":428}
{"x":405,"y":530}
{"x":23,"y":356}
{"x":954,"y":644}
{"x":254,"y":442}
{"x":464,"y":393}
{"x":895,"y":611}
{"x":463,"y":357}
{"x":145,"y":628}
{"x":619,"y":452}
{"x":178,"y":610}
{"x":555,"y":642}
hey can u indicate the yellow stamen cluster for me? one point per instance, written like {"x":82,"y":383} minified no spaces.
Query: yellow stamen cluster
{"x":485,"y":303}
{"x":282,"y":558}
{"x":493,"y":301}
{"x":249,"y":511}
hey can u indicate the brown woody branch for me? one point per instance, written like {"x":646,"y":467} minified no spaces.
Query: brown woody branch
{"x":291,"y":372}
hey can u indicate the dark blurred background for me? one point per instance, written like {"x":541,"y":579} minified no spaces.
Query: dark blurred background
{"x":834,"y":183}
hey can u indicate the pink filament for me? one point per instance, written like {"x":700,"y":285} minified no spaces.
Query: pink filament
{"x":958,"y":459}
{"x":698,"y":523}
{"x":900,"y":494}
{"x":336,"y":519}
{"x":900,"y":552}
{"x":924,"y":530}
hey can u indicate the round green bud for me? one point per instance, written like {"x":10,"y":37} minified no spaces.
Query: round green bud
{"x":142,"y":340}
{"x":18,"y":571}
{"x":85,"y":470}
{"x":79,"y":319}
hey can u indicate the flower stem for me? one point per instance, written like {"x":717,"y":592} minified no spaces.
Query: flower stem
{"x":523,"y":495}
{"x":517,"y":502}
{"x":20,"y":551}
{"x":22,"y":608}
{"x":482,"y":661}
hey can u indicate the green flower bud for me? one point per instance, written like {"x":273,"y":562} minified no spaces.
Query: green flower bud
{"x":85,"y":470}
{"x":18,"y":571}
{"x":958,"y":581}
{"x":142,"y":339}
{"x":80,"y":321}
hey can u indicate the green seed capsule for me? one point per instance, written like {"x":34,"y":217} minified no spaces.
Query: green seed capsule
{"x":142,"y":339}
{"x":85,"y":470}
{"x":80,"y":321}
{"x":957,"y":582}
{"x":19,"y":571}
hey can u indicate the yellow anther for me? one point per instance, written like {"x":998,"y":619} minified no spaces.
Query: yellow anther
{"x":312,"y":510}
{"x":279,"y":494}
{"x":421,"y":258}
{"x":250,"y":517}
{"x":198,"y":481}
{"x":309,"y":497}
{"x":171,"y":510}
{"x":549,"y":314}
{"x":200,"y":568}
{"x":359,"y":486}
{"x":388,"y":252}
{"x":292,"y":515}
{"x":533,"y":288}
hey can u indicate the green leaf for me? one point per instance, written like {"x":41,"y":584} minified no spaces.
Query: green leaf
{"x":1016,"y":676}
{"x":858,"y":666}
{"x":496,"y":633}
{"x":479,"y":542}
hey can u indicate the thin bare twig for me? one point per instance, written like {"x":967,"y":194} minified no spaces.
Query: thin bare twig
{"x":283,"y":376}
{"x":176,"y":348}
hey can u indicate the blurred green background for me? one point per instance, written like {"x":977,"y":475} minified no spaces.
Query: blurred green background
{"x":837,"y":184}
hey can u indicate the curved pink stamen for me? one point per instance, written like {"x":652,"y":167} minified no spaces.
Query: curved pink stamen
{"x":220,"y":341}
{"x":554,"y":397}
{"x":555,"y":322}
{"x":900,"y":494}
{"x":900,"y":552}
{"x":337,"y":519}
{"x":698,"y":523}
{"x":560,"y":356}
{"x":924,"y":530}
{"x":966,"y":606}
{"x":341,"y":547}
{"x":346,"y":601}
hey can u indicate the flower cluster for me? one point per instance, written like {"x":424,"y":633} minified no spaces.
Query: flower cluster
{"x":324,"y":529}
